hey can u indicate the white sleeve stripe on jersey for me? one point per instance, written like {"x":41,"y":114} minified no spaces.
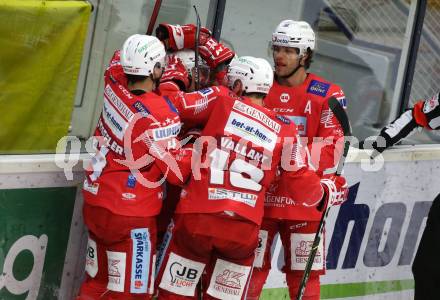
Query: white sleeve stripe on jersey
{"x":434,"y":123}
{"x":399,"y":124}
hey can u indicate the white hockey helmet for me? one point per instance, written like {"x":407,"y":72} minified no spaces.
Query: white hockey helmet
{"x":140,"y":54}
{"x":256,"y":74}
{"x":295,"y":34}
{"x":188,"y":56}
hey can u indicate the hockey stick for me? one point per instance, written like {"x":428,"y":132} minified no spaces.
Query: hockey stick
{"x":342,"y":117}
{"x":196,"y":50}
{"x":153,"y":17}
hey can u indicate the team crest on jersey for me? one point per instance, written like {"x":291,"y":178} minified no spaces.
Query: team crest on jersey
{"x":318,"y":88}
{"x":284,"y":97}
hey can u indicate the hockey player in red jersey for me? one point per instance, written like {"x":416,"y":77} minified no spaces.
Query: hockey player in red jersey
{"x":214,"y":53}
{"x":179,"y":76}
{"x":136,"y":142}
{"x":221,"y":207}
{"x":303,"y":98}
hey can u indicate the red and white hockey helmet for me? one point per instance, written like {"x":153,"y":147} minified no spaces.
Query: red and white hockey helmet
{"x":140,"y":54}
{"x":295,"y":34}
{"x":256,"y":74}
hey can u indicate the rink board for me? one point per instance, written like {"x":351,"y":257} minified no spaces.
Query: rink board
{"x":371,"y":240}
{"x":42,"y":238}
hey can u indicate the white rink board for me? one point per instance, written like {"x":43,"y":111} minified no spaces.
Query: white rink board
{"x":388,"y":215}
{"x":402,"y":189}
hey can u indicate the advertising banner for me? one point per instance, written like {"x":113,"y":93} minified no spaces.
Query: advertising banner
{"x":371,"y":240}
{"x":34,"y":230}
{"x":41,"y":46}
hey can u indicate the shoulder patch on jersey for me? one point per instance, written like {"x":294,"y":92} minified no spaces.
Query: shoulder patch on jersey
{"x":206,"y":91}
{"x":141,"y":108}
{"x":318,"y":88}
{"x":283,"y":119}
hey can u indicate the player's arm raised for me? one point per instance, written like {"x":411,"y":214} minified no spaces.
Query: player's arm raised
{"x":424,"y":114}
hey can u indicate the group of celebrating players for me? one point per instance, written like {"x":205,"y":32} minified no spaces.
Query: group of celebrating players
{"x":251,"y":153}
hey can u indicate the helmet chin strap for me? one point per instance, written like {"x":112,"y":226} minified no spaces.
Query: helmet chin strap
{"x":294,"y":70}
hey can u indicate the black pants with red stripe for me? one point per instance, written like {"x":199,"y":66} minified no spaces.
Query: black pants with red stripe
{"x":426,"y":264}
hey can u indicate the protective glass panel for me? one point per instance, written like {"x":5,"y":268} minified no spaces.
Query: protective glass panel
{"x":427,"y":72}
{"x":115,"y":21}
{"x":359,"y":47}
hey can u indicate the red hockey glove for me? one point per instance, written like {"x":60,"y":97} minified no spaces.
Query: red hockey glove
{"x":116,"y":58}
{"x":175,"y":71}
{"x":114,"y":71}
{"x":215,"y":53}
{"x":178,"y":37}
{"x":336,"y":191}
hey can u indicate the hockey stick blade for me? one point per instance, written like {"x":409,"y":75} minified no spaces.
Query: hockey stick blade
{"x":342,"y":117}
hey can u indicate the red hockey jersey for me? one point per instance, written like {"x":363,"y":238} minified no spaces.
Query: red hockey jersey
{"x":241,"y":153}
{"x":238,"y":158}
{"x":307,"y":106}
{"x":123,"y":177}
